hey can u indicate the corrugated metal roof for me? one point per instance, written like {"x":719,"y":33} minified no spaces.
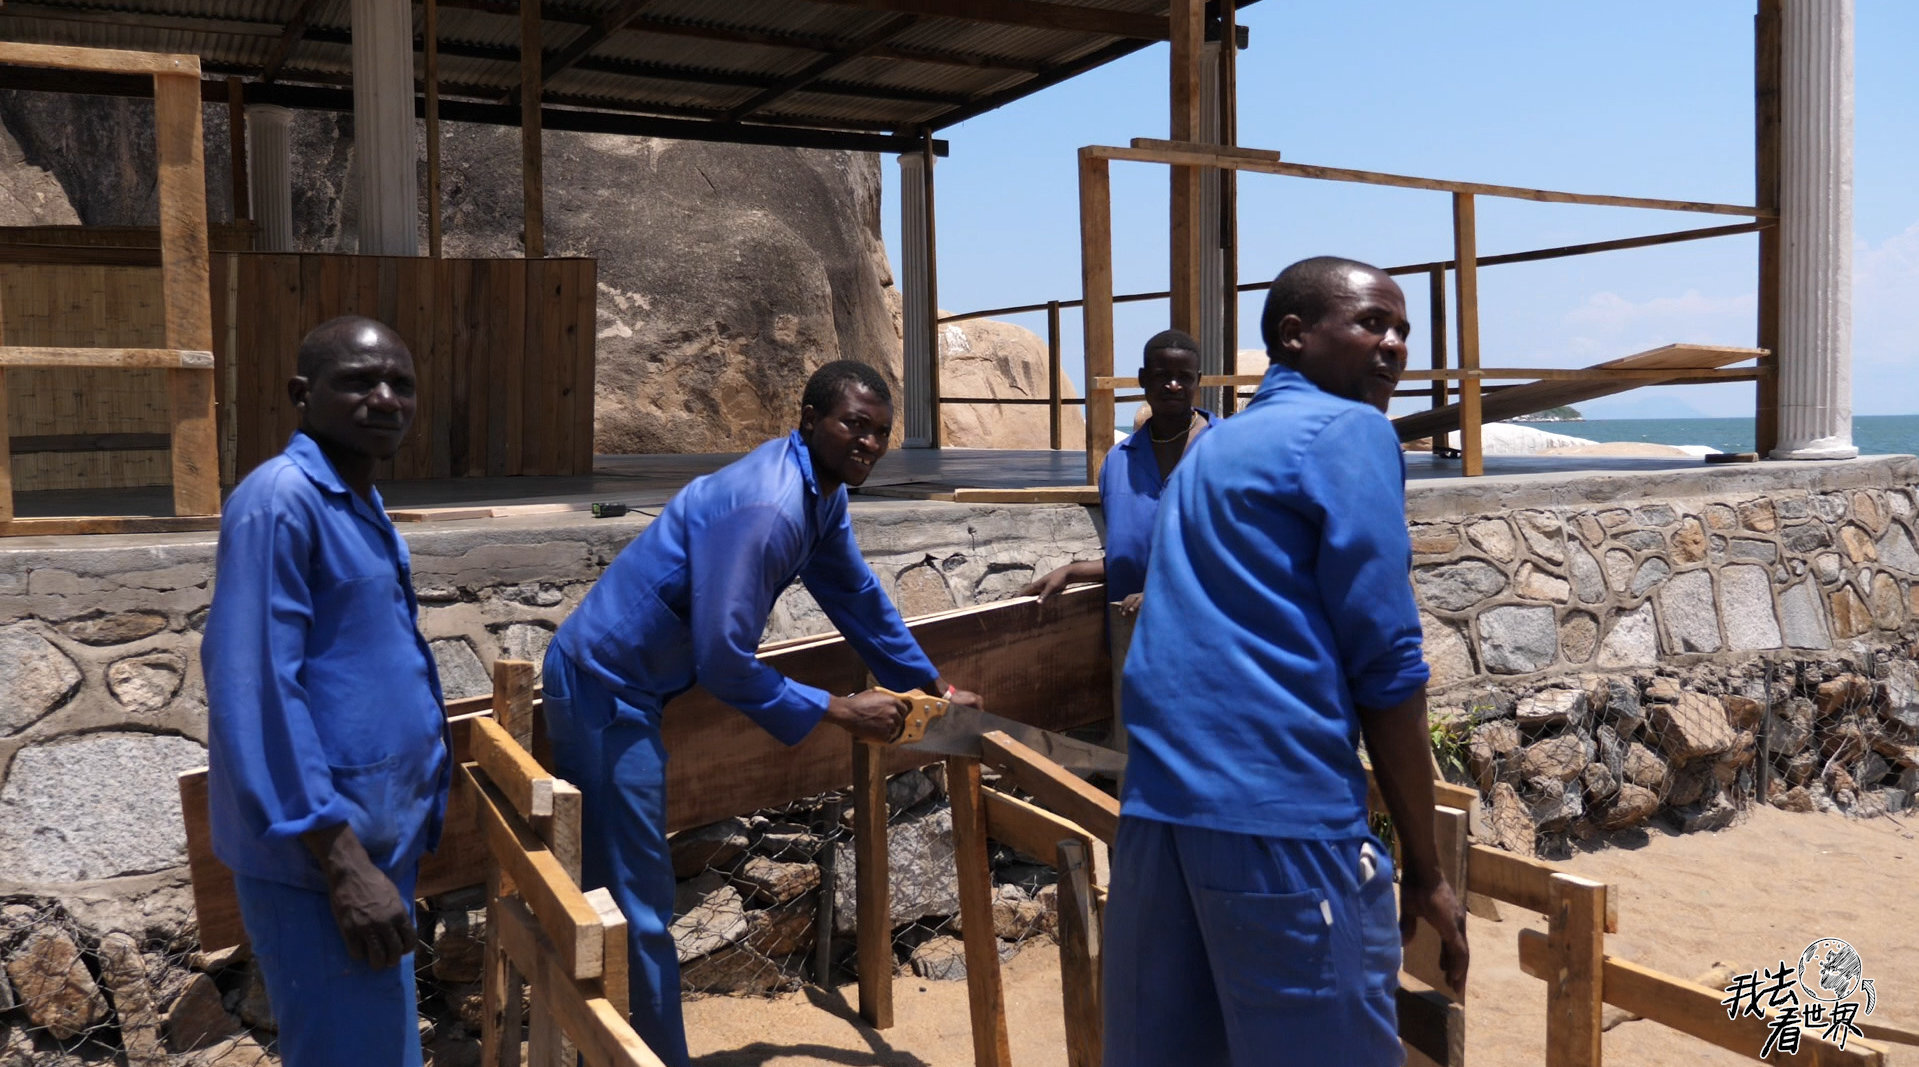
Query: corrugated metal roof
{"x":891,"y":65}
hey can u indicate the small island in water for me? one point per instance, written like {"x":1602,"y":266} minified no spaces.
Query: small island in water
{"x":1563,"y":413}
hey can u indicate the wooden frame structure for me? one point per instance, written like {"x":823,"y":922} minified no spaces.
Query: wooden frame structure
{"x":187,"y":354}
{"x":1096,"y":268}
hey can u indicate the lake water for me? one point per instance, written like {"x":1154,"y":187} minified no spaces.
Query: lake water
{"x":1873,"y":434}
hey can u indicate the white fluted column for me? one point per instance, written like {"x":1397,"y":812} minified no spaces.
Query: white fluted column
{"x":270,"y":176}
{"x":384,"y":155}
{"x":919,"y":301}
{"x":1815,"y":221}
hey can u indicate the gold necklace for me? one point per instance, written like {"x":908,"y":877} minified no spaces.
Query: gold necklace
{"x":1175,"y":437}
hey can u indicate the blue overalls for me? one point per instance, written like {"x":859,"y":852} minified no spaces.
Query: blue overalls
{"x":1252,"y":918}
{"x":686,"y":603}
{"x":323,"y":708}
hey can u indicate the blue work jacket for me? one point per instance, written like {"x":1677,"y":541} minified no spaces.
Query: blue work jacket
{"x":688,"y":600}
{"x":1129,"y":491}
{"x":1277,"y":605}
{"x":323,"y":701}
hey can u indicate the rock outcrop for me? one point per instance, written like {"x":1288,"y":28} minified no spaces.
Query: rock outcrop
{"x":983,"y":357}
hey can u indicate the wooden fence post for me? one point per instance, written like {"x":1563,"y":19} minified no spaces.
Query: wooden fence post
{"x":986,"y":999}
{"x":873,"y":906}
{"x":1576,"y":932}
{"x":1079,"y":958}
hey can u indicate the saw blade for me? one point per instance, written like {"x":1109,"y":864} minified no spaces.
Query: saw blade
{"x":958,"y":733}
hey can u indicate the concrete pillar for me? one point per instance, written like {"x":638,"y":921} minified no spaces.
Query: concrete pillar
{"x":384,"y":156}
{"x":1213,"y":357}
{"x":270,"y":176}
{"x":1815,"y":221}
{"x":919,"y":303}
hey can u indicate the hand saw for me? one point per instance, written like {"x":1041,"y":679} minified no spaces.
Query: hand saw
{"x":934,"y":724}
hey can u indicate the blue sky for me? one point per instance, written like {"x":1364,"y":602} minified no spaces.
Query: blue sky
{"x":1628,"y":97}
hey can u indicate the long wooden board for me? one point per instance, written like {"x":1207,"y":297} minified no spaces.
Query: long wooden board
{"x":1538,"y":396}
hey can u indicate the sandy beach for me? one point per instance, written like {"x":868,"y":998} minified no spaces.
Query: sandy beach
{"x":1748,"y":896}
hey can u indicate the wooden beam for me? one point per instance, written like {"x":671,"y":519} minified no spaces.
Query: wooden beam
{"x":1079,"y":955}
{"x":538,"y":876}
{"x":430,"y":45}
{"x":512,"y":699}
{"x":1466,"y":297}
{"x":103,"y":60}
{"x":936,"y":432}
{"x":1052,"y":785}
{"x":1436,"y":330}
{"x":819,"y":68}
{"x":614,"y":981}
{"x":814,"y":43}
{"x":237,"y":148}
{"x":985,"y":997}
{"x":1585,"y":374}
{"x":1694,"y":1009}
{"x":296,"y":27}
{"x":590,"y":38}
{"x":6,"y":437}
{"x":1028,"y":828}
{"x":1146,"y":150}
{"x":603,"y":1034}
{"x":1054,"y":372}
{"x":501,"y":984}
{"x":532,"y":163}
{"x":75,"y":525}
{"x":1432,"y":1024}
{"x":872,"y":890}
{"x":1520,"y":881}
{"x":1070,"y":18}
{"x":1187,"y":25}
{"x":1767,"y":80}
{"x":116,"y":358}
{"x":1577,"y":939}
{"x":524,"y":783}
{"x":1422,"y":955}
{"x":1096,"y":293}
{"x":185,"y":280}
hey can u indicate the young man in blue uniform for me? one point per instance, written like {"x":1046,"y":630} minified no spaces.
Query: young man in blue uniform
{"x":328,"y":759}
{"x":686,"y":603}
{"x":1252,"y":919}
{"x":1135,"y":473}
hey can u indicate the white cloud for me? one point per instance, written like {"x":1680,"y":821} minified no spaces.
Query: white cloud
{"x":1885,"y":354}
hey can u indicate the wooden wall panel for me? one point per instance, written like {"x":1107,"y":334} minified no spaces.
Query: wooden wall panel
{"x":500,"y":356}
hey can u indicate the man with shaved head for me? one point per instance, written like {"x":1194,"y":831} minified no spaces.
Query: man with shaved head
{"x":1252,"y":918}
{"x":327,"y":751}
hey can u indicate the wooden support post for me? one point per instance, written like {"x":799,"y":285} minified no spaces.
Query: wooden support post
{"x":1053,"y":785}
{"x":1229,"y":196}
{"x":1096,"y":289}
{"x":985,"y":998}
{"x":543,"y":1037}
{"x":184,"y":274}
{"x":6,"y":439}
{"x":1436,"y":329}
{"x":1466,"y":285}
{"x":873,"y":895}
{"x":237,"y":147}
{"x":513,"y":700}
{"x":1574,"y":990}
{"x":937,"y":430}
{"x":430,"y":31}
{"x":499,"y":989}
{"x":1189,"y":38}
{"x":1079,"y":957}
{"x":532,"y":170}
{"x":614,"y":984}
{"x":1053,"y":390}
{"x":1422,"y":955}
{"x":1766,"y":160}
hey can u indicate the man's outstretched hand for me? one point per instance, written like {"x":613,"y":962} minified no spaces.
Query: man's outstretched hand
{"x":870,"y":716}
{"x":1437,"y":905}
{"x":1048,"y":585}
{"x":366,"y":904}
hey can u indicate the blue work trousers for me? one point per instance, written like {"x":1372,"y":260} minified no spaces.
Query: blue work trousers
{"x":612,"y":751}
{"x":1226,"y":948}
{"x":331,"y":1008}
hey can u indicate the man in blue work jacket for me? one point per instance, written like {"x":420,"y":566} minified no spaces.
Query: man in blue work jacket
{"x":326,"y":739}
{"x":1251,"y":918}
{"x":685,"y":604}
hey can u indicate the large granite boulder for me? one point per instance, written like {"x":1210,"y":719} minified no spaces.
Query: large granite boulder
{"x":983,"y":357}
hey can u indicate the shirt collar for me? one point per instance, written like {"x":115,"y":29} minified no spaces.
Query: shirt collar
{"x":804,"y":457}
{"x":305,"y":453}
{"x":1279,"y":376}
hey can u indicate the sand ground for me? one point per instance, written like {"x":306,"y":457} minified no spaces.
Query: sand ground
{"x":1751,"y":895}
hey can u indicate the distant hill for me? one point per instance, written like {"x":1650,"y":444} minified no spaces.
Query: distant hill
{"x":1563,"y":413}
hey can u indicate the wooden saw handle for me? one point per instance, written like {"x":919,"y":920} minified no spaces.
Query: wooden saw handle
{"x":918,"y":712}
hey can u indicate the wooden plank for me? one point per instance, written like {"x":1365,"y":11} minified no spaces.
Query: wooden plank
{"x":1466,"y":296}
{"x":237,"y":148}
{"x":1767,"y":81}
{"x":525,"y":784}
{"x":1519,"y":881}
{"x":1047,"y":664}
{"x":532,"y":169}
{"x":1577,"y":943}
{"x":537,"y":874}
{"x":1432,"y":1024}
{"x":1079,"y":956}
{"x":1052,"y":785}
{"x":986,"y":999}
{"x":513,"y":699}
{"x":1681,"y":359}
{"x":613,"y":975}
{"x":604,"y":1036}
{"x":216,"y":909}
{"x":1041,"y":494}
{"x":1205,"y":380}
{"x":1054,"y":411}
{"x":500,"y":987}
{"x":929,"y":205}
{"x":106,"y":60}
{"x":543,"y":1036}
{"x":1096,"y":292}
{"x":430,"y":44}
{"x":511,"y":278}
{"x":108,"y":524}
{"x":1694,"y":1009}
{"x":1150,"y":151}
{"x":561,"y":830}
{"x":184,"y":284}
{"x":1028,"y":828}
{"x":1421,"y":957}
{"x":586,"y":322}
{"x":6,"y":439}
{"x":1579,"y":374}
{"x":873,"y":900}
{"x":1187,"y":24}
{"x":119,"y":358}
